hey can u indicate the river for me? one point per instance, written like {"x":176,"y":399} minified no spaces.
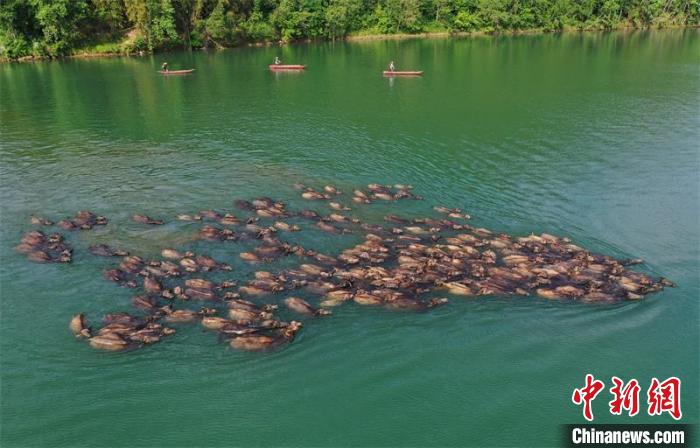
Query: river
{"x":590,"y":136}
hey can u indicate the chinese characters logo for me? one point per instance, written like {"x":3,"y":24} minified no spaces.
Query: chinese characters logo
{"x":662,"y":397}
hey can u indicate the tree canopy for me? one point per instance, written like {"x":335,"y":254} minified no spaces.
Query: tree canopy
{"x":59,"y":27}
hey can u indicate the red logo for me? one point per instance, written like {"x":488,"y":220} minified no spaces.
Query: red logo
{"x":625,"y":397}
{"x":587,"y":394}
{"x":662,"y":397}
{"x":665,"y":397}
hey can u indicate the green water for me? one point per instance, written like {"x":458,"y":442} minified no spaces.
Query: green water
{"x":590,"y":136}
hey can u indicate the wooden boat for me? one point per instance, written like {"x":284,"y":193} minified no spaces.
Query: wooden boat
{"x":175,"y":72}
{"x":286,"y":67}
{"x":402,"y":73}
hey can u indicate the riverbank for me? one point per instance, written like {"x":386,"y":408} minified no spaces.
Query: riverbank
{"x":532,"y":31}
{"x":98,"y":51}
{"x":448,"y":34}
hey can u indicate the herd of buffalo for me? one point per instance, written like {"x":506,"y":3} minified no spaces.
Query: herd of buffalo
{"x":402,"y":264}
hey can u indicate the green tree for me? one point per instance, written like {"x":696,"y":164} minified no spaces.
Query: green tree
{"x":466,"y":21}
{"x":610,"y":14}
{"x":256,"y":28}
{"x":444,"y":11}
{"x":341,"y":16}
{"x":110,"y":13}
{"x":57,"y":27}
{"x":403,"y":15}
{"x":18,"y":28}
{"x":493,"y":14}
{"x":155,"y":19}
{"x":163,"y":30}
{"x":551,"y":15}
{"x":58,"y":20}
{"x":290,"y":20}
{"x":218,"y":26}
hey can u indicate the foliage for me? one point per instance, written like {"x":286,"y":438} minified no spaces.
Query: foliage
{"x":59,"y":27}
{"x":341,"y":17}
{"x":466,"y":21}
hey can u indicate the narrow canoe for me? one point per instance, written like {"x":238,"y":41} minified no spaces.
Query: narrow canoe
{"x":175,"y":72}
{"x":286,"y":67}
{"x":405,"y":73}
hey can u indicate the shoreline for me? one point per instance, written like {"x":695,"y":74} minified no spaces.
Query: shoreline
{"x":441,"y":35}
{"x":83,"y":54}
{"x":525,"y":32}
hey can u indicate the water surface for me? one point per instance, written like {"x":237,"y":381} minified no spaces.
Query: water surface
{"x":589,"y":136}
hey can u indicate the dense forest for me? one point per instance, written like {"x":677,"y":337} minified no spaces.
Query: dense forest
{"x":61,"y":27}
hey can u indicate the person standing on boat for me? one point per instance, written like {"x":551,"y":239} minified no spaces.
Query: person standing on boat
{"x":391,"y":66}
{"x":278,"y":61}
{"x":165,"y":66}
